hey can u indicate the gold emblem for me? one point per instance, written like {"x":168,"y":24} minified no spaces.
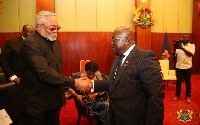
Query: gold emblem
{"x":2,"y":3}
{"x":165,"y":55}
{"x":144,"y":16}
{"x":185,"y":115}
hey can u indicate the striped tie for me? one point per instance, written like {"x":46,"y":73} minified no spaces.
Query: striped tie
{"x":118,"y":66}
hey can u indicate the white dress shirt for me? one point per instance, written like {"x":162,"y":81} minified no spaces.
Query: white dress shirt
{"x":183,"y":60}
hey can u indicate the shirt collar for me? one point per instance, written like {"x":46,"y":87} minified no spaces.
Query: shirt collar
{"x":127,"y":53}
{"x":23,"y":37}
{"x":186,"y":44}
{"x":129,"y":50}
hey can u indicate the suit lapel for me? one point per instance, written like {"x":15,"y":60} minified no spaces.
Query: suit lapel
{"x":126,"y":63}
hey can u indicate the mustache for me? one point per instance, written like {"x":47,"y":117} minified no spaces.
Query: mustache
{"x":54,"y":34}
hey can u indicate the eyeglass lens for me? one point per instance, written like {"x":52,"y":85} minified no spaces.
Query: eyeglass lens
{"x":52,"y":28}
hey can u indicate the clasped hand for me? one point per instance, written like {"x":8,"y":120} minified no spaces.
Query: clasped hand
{"x":83,"y":84}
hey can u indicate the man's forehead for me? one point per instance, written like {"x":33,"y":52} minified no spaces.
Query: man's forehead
{"x":51,"y":21}
{"x":118,"y":33}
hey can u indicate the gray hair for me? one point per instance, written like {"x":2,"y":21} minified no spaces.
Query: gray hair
{"x":42,"y":15}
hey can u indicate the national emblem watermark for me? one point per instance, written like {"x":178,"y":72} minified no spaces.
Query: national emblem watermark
{"x":183,"y":113}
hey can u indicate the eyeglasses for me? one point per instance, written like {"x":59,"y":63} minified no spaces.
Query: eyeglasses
{"x":113,"y":39}
{"x":52,"y":28}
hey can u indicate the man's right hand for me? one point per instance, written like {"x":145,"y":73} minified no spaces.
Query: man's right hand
{"x":83,"y":84}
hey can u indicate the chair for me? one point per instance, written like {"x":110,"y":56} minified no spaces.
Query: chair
{"x":82,"y":64}
{"x":82,"y":110}
{"x":9,"y":97}
{"x":1,"y":70}
{"x":3,"y":78}
{"x":168,"y":75}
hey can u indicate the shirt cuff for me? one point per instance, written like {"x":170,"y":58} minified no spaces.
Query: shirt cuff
{"x":12,"y":78}
{"x":92,"y":89}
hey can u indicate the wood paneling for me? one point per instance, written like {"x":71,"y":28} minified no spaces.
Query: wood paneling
{"x":143,"y":35}
{"x":42,"y":5}
{"x":196,"y":36}
{"x":6,"y":36}
{"x":95,"y":46}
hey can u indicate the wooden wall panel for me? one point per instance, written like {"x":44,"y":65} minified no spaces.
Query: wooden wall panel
{"x":95,"y":46}
{"x":196,"y":36}
{"x":47,"y":5}
{"x":143,"y":35}
{"x":6,"y":36}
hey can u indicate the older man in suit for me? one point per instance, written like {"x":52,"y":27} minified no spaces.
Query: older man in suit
{"x":135,"y":86}
{"x":10,"y":64}
{"x":42,"y":79}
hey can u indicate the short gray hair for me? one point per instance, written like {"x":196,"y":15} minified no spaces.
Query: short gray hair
{"x":42,"y":15}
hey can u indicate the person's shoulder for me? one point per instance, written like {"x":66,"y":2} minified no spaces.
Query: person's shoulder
{"x":145,"y":51}
{"x":34,"y":39}
{"x":192,"y":44}
{"x":13,"y":39}
{"x":104,"y":77}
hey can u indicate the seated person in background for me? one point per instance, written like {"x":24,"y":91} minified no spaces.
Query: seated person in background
{"x":97,"y":103}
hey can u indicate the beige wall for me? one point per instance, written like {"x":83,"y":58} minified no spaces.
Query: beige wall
{"x":99,"y":15}
{"x":94,"y":15}
{"x":173,"y":18}
{"x":17,"y":13}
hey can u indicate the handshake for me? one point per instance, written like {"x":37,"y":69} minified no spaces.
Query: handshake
{"x":84,"y":84}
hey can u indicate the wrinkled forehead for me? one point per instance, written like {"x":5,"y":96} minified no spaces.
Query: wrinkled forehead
{"x":50,"y":21}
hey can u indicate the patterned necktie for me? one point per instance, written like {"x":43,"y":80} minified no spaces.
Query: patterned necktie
{"x":119,"y":65}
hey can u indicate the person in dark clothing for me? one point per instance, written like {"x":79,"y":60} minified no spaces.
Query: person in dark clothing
{"x":10,"y":64}
{"x":42,"y":80}
{"x":135,"y":85}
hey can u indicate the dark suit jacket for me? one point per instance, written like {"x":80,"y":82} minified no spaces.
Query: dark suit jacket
{"x":10,"y":64}
{"x":10,"y":57}
{"x":41,"y":74}
{"x":137,"y":93}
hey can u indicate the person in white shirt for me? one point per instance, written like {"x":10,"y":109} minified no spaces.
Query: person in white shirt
{"x":184,"y":55}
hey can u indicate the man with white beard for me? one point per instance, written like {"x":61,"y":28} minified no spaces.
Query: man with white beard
{"x":42,"y":80}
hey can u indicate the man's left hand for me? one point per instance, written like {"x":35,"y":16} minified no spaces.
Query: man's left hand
{"x":17,"y":80}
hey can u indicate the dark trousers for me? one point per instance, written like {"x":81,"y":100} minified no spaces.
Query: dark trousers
{"x":113,"y":121}
{"x":44,"y":118}
{"x":186,"y":75}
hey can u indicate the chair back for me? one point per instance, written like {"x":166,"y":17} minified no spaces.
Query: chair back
{"x":164,"y":64}
{"x":82,"y":64}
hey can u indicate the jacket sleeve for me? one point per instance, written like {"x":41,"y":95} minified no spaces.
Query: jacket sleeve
{"x":152,"y":83}
{"x":35,"y":56}
{"x":101,"y":85}
{"x":5,"y":60}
